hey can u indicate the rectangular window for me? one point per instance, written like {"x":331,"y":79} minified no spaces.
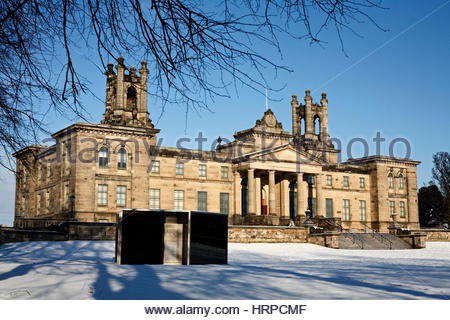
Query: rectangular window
{"x":155,"y":166}
{"x":402,"y":209}
{"x":310,"y":180}
{"x":49,"y":170}
{"x":224,"y":208}
{"x":201,"y":201}
{"x":47,"y":198}
{"x":345,"y":181}
{"x":362,"y":183}
{"x":224,"y":172}
{"x":179,"y":169}
{"x":202,"y":170}
{"x":102,"y":196}
{"x":154,"y":199}
{"x":391,"y":207}
{"x":178,"y":200}
{"x":40,"y":172}
{"x":362,"y":210}
{"x":329,"y":180}
{"x":121,"y":197}
{"x":329,"y":207}
{"x":346,"y":209}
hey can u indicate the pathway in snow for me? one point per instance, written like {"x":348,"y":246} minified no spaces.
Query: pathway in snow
{"x":86,"y":270}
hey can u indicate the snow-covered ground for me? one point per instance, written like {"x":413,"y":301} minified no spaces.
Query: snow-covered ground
{"x":86,"y":270}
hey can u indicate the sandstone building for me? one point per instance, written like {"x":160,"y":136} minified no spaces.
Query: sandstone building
{"x":266,"y":175}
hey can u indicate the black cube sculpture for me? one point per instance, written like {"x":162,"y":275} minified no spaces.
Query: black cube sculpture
{"x":171,"y":237}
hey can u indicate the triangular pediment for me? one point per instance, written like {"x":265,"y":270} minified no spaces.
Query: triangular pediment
{"x":284,"y":153}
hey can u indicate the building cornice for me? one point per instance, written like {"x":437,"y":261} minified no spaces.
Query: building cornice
{"x":382,"y":159}
{"x":33,"y":148}
{"x":104,"y":128}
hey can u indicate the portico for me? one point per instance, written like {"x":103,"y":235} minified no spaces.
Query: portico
{"x":278,"y":190}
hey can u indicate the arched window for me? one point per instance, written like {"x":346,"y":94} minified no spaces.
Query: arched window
{"x":316,"y":125}
{"x":131,"y":98}
{"x":302,"y":126}
{"x":400,"y":181}
{"x":390,"y":181}
{"x":122,"y":158}
{"x":103,"y":157}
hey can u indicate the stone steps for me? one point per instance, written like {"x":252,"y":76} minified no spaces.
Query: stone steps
{"x":369,"y":241}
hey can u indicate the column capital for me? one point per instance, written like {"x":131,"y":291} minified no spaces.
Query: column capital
{"x":251,"y":169}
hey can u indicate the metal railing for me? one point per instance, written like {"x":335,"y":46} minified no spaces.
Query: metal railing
{"x":376,"y":235}
{"x":354,"y":238}
{"x":333,"y":223}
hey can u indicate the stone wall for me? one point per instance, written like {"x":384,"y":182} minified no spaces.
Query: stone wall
{"x":435,"y":234}
{"x":67,"y":231}
{"x":416,"y":241}
{"x":267,"y":234}
{"x":330,"y":240}
{"x":14,"y":235}
{"x":90,"y":230}
{"x":37,"y":223}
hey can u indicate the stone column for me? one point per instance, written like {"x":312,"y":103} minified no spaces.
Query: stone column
{"x":119,"y":84}
{"x":143,"y":90}
{"x":258,"y":195}
{"x":251,"y":191}
{"x":237,"y":193}
{"x":324,"y":120}
{"x":300,"y":196}
{"x":272,"y":204}
{"x":284,"y":198}
{"x":319,"y":196}
{"x":295,"y":125}
{"x":309,"y":118}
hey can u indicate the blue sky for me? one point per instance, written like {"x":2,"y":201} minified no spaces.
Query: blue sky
{"x":393,"y":82}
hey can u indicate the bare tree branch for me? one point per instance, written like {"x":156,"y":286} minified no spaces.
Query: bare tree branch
{"x":196,"y":50}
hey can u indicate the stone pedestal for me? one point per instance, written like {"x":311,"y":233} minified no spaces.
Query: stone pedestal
{"x":237,"y":219}
{"x":284,"y":221}
{"x":258,"y":220}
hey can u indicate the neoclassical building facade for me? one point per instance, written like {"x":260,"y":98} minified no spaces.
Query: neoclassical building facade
{"x":266,"y":175}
